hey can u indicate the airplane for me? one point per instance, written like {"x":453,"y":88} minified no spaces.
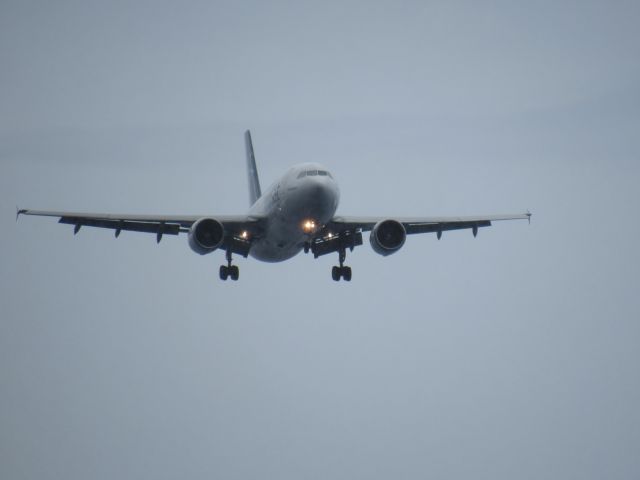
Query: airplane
{"x":297,"y":213}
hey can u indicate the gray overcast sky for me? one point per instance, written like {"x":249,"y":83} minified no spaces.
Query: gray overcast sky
{"x":513,"y":355}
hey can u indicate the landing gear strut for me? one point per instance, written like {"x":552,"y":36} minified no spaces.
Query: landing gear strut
{"x":342,"y":271}
{"x":229,"y":270}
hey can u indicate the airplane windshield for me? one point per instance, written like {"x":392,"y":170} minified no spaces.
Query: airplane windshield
{"x":312,"y":173}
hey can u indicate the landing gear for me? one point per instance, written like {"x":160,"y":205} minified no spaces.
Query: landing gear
{"x":346,"y":274}
{"x":232,"y":272}
{"x":229,"y":270}
{"x":338,"y":272}
{"x":342,"y":271}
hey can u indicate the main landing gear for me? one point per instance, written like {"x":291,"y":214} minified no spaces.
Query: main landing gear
{"x":342,"y":271}
{"x":336,"y":243}
{"x":229,"y":270}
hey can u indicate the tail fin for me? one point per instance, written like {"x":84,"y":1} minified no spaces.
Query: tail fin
{"x":252,"y":171}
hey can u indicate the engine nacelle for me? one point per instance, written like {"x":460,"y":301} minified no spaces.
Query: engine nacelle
{"x":206,"y":235}
{"x":387,"y":237}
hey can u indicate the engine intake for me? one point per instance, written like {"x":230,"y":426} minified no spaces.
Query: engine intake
{"x":387,"y":237}
{"x":206,"y":235}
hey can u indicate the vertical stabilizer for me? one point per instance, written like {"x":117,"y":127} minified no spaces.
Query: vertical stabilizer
{"x":252,"y":171}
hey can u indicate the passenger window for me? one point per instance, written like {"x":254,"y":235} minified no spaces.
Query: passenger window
{"x":312,"y":173}
{"x":302,"y":174}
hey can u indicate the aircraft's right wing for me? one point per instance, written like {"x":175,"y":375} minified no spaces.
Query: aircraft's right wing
{"x":235,"y":225}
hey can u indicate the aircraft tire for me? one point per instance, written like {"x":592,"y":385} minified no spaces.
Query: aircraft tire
{"x":224,"y":272}
{"x":336,"y":273}
{"x":346,"y":274}
{"x":234,"y":272}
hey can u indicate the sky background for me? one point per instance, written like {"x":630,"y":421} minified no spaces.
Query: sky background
{"x":512,"y":355}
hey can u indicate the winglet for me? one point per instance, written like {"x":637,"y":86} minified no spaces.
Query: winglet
{"x":529,"y":216}
{"x":18,"y":212}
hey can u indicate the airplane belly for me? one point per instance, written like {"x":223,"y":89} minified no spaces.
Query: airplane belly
{"x":268,"y":251}
{"x":282,"y":239}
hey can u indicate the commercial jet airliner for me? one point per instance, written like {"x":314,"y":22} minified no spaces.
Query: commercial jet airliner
{"x":297,"y":213}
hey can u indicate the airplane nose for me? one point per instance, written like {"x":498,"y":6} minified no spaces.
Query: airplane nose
{"x":320,"y":191}
{"x":312,"y":200}
{"x":315,"y":198}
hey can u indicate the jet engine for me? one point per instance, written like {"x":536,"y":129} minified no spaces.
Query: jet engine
{"x":387,"y":237}
{"x":206,"y":235}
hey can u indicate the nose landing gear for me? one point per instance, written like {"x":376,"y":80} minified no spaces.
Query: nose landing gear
{"x":229,"y":270}
{"x":342,"y":271}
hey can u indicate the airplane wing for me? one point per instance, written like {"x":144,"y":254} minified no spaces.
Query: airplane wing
{"x":158,"y":224}
{"x":422,"y":224}
{"x":345,"y":232}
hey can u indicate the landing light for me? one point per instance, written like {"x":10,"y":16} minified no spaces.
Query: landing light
{"x":308,"y":226}
{"x":244,"y":235}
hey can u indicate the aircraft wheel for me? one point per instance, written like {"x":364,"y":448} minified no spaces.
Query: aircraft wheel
{"x":234,"y":272}
{"x":335,"y":273}
{"x":346,"y":274}
{"x":224,"y":272}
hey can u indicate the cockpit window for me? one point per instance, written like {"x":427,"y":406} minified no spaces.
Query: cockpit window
{"x":312,"y":173}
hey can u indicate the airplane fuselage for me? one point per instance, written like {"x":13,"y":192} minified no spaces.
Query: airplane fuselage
{"x":295,"y":207}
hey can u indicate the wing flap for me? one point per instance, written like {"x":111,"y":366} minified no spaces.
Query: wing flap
{"x":183,"y":220}
{"x":118,"y":225}
{"x":414,"y":225}
{"x":234,"y":225}
{"x":412,"y":228}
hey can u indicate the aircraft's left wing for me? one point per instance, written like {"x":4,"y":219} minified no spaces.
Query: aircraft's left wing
{"x":422,"y":224}
{"x":158,"y":224}
{"x":344,"y":232}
